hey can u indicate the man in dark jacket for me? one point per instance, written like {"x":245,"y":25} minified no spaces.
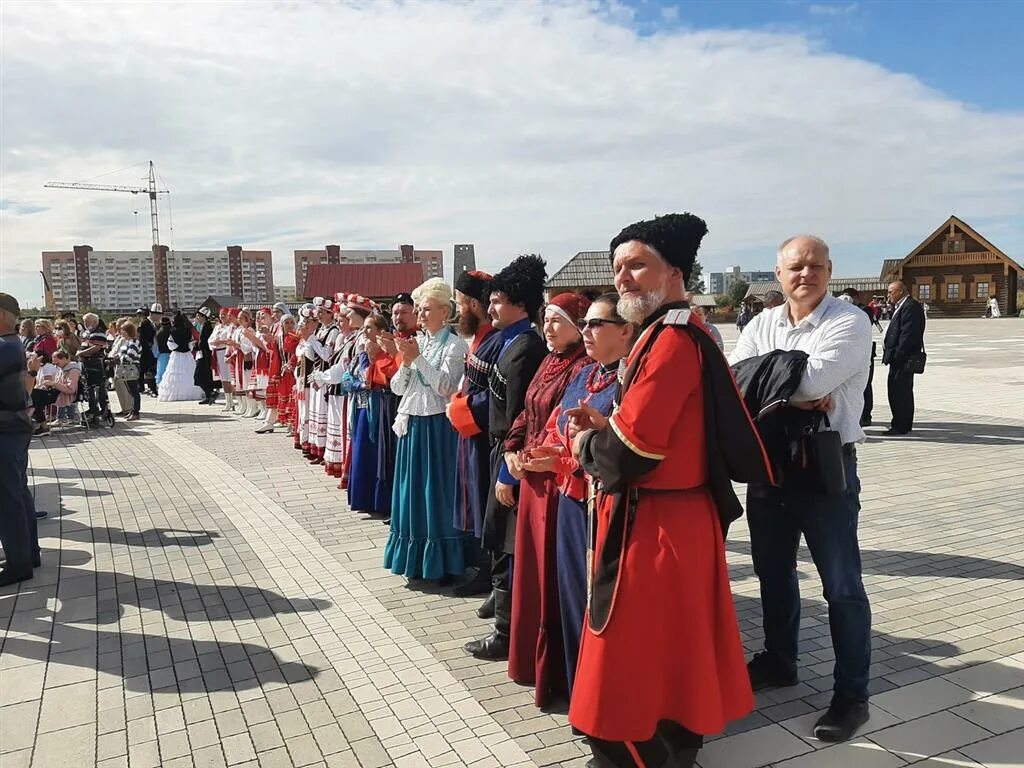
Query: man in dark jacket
{"x":203,"y":377}
{"x":147,"y":337}
{"x":18,"y":535}
{"x":904,"y":338}
{"x":517,"y":294}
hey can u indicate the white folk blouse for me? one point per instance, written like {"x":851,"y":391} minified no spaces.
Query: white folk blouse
{"x":428,"y":383}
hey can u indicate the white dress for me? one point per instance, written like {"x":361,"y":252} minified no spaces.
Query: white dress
{"x":178,"y":382}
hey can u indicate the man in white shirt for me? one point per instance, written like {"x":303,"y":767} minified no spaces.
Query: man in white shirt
{"x":837,"y":338}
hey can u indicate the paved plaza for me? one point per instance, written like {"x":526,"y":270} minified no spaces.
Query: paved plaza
{"x":207,"y":600}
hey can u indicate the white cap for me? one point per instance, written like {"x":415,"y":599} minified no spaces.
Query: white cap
{"x":157,"y":308}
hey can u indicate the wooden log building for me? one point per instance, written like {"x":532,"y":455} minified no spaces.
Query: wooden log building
{"x":956,"y":271}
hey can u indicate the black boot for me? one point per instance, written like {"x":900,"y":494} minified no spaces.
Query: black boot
{"x":478,"y":585}
{"x":495,"y":646}
{"x":486,"y":611}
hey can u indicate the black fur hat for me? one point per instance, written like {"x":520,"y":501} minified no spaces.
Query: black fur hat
{"x":475,"y":284}
{"x":523,"y":282}
{"x":676,"y":236}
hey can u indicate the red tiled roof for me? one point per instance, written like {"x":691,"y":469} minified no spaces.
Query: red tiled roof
{"x":376,"y":281}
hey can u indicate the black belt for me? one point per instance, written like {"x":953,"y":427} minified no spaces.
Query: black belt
{"x":850,"y":450}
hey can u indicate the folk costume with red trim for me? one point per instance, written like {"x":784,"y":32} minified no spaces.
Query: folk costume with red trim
{"x":468,"y":413}
{"x":536,"y":654}
{"x":661,"y":661}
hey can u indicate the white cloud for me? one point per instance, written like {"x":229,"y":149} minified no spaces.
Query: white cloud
{"x":833,"y":9}
{"x":523,"y":126}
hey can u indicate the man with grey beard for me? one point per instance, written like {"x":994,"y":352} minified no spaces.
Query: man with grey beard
{"x":662,"y":465}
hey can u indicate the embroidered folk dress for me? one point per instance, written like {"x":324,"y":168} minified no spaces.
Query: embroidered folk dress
{"x":424,"y":544}
{"x":536,"y":655}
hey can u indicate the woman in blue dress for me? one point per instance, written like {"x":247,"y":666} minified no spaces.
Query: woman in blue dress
{"x":424,"y":543}
{"x":607,"y":339}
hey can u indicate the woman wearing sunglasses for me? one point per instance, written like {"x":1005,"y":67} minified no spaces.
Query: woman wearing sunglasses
{"x":607,"y":339}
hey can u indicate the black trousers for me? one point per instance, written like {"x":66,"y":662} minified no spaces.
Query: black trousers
{"x":901,"y":399}
{"x":41,"y":400}
{"x":869,"y":393}
{"x":147,"y":371}
{"x":18,"y":534}
{"x":97,"y":387}
{"x":673,"y":746}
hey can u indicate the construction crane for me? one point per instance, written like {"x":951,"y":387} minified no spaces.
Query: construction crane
{"x":151,"y":190}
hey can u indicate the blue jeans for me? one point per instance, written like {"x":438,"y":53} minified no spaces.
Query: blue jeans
{"x":18,"y":533}
{"x":777,"y":518}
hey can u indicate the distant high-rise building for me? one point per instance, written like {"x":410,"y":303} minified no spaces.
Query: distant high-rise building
{"x":465,"y":259}
{"x":432,"y":261}
{"x":719,"y":282}
{"x":122,"y":281}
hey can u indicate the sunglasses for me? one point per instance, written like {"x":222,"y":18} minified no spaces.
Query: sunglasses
{"x":597,"y":322}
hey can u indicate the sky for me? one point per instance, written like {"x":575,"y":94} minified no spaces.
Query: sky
{"x":524,"y":126}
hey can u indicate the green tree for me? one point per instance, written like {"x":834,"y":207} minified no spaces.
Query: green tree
{"x":696,"y":283}
{"x":736,"y":292}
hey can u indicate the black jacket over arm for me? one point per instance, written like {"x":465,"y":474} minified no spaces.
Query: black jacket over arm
{"x":905,"y":335}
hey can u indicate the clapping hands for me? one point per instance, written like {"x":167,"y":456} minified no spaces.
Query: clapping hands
{"x":409,"y":349}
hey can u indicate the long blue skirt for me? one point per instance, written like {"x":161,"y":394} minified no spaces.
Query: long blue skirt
{"x":369,"y":484}
{"x":572,"y":577}
{"x":161,"y":366}
{"x":424,"y":543}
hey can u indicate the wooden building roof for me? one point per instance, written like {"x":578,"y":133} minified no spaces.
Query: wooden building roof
{"x":866,"y":285}
{"x":587,"y":269}
{"x":974,"y":248}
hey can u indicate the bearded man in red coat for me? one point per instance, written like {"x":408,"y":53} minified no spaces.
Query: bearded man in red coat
{"x":661,"y":661}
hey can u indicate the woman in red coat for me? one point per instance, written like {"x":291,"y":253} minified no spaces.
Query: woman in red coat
{"x":535,"y":654}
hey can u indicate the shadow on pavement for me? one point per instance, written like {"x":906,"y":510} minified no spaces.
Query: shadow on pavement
{"x":153,"y":662}
{"x":153,"y":537}
{"x":38,"y":633}
{"x":959,"y":433}
{"x":79,"y":474}
{"x":898,"y":562}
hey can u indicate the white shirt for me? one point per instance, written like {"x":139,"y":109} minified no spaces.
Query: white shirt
{"x":837,"y":336}
{"x":425,"y":389}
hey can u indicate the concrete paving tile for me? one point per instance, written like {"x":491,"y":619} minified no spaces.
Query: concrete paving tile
{"x":275,"y":758}
{"x":922,"y":698}
{"x":208,"y":756}
{"x":928,"y":736}
{"x":68,"y":705}
{"x":20,"y":758}
{"x":759,"y":747}
{"x":238,"y":748}
{"x":303,"y":750}
{"x":72,"y":746}
{"x":1001,"y":751}
{"x":998,"y":714}
{"x":991,"y":677}
{"x":174,"y":745}
{"x":111,"y":745}
{"x":18,"y":725}
{"x":266,"y":736}
{"x":858,"y":753}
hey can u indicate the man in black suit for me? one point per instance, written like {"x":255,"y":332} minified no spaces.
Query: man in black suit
{"x":904,"y":338}
{"x":203,"y":377}
{"x":147,"y":363}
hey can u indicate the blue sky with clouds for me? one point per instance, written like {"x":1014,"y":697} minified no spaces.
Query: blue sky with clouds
{"x":969,"y":49}
{"x":522,"y":126}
